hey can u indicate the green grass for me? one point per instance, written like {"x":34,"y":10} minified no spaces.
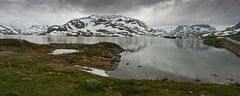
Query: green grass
{"x":213,"y":41}
{"x":29,"y":77}
{"x":93,"y":55}
{"x":16,"y":43}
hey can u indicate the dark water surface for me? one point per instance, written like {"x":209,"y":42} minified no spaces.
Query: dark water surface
{"x":159,"y":58}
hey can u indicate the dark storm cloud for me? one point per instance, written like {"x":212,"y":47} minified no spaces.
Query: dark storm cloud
{"x":108,"y":6}
{"x":88,"y":6}
{"x":213,"y":11}
{"x":153,"y":12}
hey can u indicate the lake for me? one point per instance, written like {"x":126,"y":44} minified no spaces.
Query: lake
{"x":158,"y":58}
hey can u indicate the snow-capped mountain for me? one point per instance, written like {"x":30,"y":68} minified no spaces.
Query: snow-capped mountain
{"x":193,"y":30}
{"x":101,"y":25}
{"x":234,"y":28}
{"x":235,"y":36}
{"x":229,"y":31}
{"x":158,"y":32}
{"x":8,"y":30}
{"x":35,"y":30}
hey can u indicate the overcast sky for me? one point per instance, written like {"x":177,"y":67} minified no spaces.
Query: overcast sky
{"x":24,"y":13}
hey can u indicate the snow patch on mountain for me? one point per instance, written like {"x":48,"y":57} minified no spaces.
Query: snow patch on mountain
{"x":101,"y":25}
{"x":229,"y":31}
{"x":234,"y":28}
{"x":8,"y":30}
{"x":158,"y":32}
{"x":35,"y":30}
{"x":193,"y":30}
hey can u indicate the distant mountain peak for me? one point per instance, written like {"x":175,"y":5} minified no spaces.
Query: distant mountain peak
{"x":101,"y":25}
{"x":8,"y":30}
{"x":35,"y":30}
{"x":235,"y":27}
{"x":193,"y":30}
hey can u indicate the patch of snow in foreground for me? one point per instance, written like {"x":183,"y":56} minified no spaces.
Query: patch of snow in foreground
{"x":93,"y":71}
{"x":63,"y":51}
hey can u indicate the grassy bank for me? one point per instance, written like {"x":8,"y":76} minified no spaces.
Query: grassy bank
{"x":102,"y":55}
{"x":222,"y":43}
{"x":24,"y":72}
{"x":235,"y":36}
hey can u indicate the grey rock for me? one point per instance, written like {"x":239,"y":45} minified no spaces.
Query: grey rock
{"x":214,"y":75}
{"x":93,"y":81}
{"x":27,"y":79}
{"x":197,"y":80}
{"x":14,"y":93}
{"x":85,"y":49}
{"x":117,"y":59}
{"x":109,"y":55}
{"x":230,"y":79}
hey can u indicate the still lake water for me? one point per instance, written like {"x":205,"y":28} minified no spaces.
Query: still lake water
{"x":158,"y":58}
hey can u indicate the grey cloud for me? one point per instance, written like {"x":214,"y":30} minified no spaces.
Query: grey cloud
{"x":153,"y":12}
{"x":87,"y":6}
{"x":210,"y":11}
{"x":109,"y":6}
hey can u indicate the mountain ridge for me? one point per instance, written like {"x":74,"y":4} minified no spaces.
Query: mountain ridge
{"x":9,"y":30}
{"x":193,"y":30}
{"x":233,"y":28}
{"x":102,"y":25}
{"x":35,"y":30}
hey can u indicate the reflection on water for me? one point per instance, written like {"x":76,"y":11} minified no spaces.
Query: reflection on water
{"x":183,"y":60}
{"x":128,"y":43}
{"x":192,"y":44}
{"x":159,"y":58}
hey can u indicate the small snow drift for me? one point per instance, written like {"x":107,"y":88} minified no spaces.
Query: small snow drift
{"x":93,"y":71}
{"x":63,"y":51}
